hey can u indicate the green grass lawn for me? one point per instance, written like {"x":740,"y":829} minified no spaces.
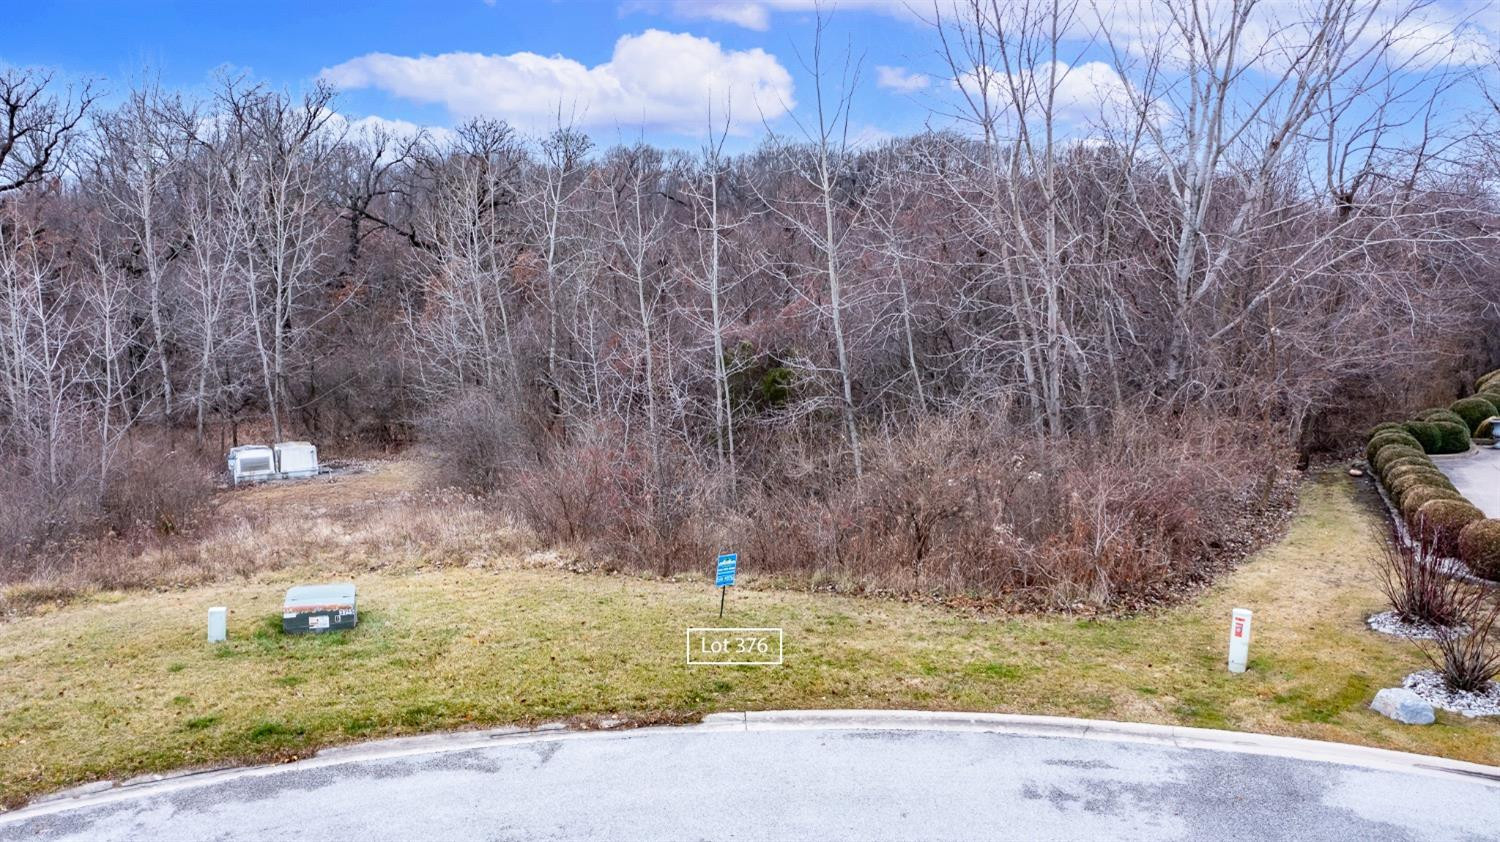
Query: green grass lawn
{"x":122,"y":684}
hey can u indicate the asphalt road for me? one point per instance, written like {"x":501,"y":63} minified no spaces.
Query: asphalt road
{"x":1477,"y":477}
{"x":827,"y":778}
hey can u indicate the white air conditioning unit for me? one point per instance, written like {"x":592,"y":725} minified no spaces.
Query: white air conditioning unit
{"x":296,"y":459}
{"x":251,"y":463}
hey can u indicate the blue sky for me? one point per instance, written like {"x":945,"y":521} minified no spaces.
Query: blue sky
{"x":618,"y":64}
{"x":289,"y":44}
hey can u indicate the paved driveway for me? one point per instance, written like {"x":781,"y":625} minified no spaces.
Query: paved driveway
{"x":1477,"y":477}
{"x":817,"y":776}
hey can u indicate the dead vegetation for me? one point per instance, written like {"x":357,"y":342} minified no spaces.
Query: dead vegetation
{"x":954,"y":508}
{"x":380,"y":515}
{"x":950,"y":513}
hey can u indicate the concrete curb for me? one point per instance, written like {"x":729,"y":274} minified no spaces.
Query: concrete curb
{"x":1095,"y":729}
{"x":105,"y":792}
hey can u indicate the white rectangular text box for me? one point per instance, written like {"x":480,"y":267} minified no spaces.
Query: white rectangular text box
{"x":734,"y":647}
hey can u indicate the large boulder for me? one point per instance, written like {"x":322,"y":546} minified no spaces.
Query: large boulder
{"x":1403,"y":705}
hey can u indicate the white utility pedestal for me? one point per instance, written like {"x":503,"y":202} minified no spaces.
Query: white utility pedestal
{"x":218,"y":624}
{"x":1239,"y":639}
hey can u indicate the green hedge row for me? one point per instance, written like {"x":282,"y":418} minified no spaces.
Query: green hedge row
{"x":1435,"y":512}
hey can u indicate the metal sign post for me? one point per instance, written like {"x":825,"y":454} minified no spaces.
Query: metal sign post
{"x":724,"y":572}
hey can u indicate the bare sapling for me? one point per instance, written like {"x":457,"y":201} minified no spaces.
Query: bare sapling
{"x":1466,"y":653}
{"x":1417,"y":588}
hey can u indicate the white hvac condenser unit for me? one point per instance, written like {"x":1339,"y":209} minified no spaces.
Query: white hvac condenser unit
{"x":296,"y":459}
{"x":284,"y":460}
{"x":251,"y":463}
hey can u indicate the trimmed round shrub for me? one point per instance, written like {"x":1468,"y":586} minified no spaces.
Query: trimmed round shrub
{"x":1400,"y":487}
{"x":1452,"y":438}
{"x":1486,"y":379}
{"x":1421,"y":495}
{"x":1440,"y":413}
{"x":1391,"y":453}
{"x":1407,"y":461}
{"x":1493,"y":396}
{"x":1486,"y":430}
{"x":1395,"y":472}
{"x":1479,"y":547}
{"x":1387,"y":438}
{"x":1440,"y":436}
{"x":1385,"y":426}
{"x":1440,"y":521}
{"x":1425,"y":432}
{"x":1474,"y":411}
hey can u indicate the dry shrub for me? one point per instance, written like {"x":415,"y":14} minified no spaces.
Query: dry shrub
{"x":385,"y":521}
{"x":149,"y":488}
{"x":1466,"y":653}
{"x":1415,"y":585}
{"x":43,"y":505}
{"x":949,"y":506}
{"x":155,"y":489}
{"x":602,"y":490}
{"x":481,"y":440}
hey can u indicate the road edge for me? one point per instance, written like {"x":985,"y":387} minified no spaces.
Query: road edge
{"x":105,"y":792}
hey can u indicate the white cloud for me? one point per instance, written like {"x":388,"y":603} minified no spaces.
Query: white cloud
{"x":661,"y":80}
{"x":746,"y":13}
{"x":1086,"y":93}
{"x":756,"y":14}
{"x":1420,"y":35}
{"x":900,"y":79}
{"x":868,"y":135}
{"x":401,"y":130}
{"x":1428,"y":43}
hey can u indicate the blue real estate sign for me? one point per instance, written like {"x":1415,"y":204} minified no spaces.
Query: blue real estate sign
{"x":724,"y":575}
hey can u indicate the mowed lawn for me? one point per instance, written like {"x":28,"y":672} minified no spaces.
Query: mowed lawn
{"x":123,"y":684}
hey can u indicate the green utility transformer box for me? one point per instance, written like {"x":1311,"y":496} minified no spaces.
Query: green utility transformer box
{"x":318,"y":608}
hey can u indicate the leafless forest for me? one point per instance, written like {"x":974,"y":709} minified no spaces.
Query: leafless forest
{"x":1010,"y":355}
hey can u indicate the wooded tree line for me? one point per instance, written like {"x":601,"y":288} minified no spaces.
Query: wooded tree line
{"x":1275,"y":228}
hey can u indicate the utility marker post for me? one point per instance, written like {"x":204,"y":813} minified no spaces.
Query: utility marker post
{"x":1239,"y":639}
{"x":724,"y":572}
{"x":218,"y":624}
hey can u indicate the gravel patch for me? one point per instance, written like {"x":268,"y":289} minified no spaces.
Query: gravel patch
{"x":1389,"y":622}
{"x":1429,"y":685}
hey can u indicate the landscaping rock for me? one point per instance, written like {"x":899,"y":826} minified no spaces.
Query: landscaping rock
{"x":1403,"y":705}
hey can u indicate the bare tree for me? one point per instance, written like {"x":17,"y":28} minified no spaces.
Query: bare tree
{"x":823,"y":166}
{"x":138,"y":154}
{"x":472,"y":242}
{"x":35,"y":126}
{"x":551,"y":201}
{"x":281,"y":147}
{"x":709,"y":227}
{"x":633,"y":224}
